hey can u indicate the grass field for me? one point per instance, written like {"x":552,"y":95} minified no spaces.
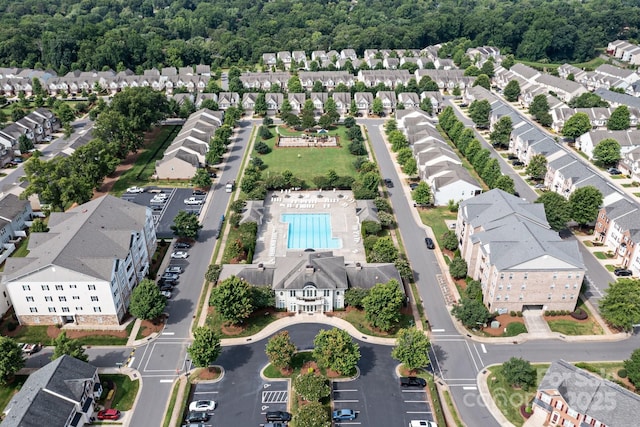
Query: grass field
{"x":570,"y":327}
{"x":252,"y":325}
{"x":358,"y":320}
{"x":435,"y":217}
{"x":126,"y":390}
{"x":309,"y":162}
{"x":594,"y":63}
{"x":144,"y":167}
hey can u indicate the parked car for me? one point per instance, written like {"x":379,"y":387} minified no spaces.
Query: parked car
{"x":30,"y":348}
{"x":193,"y":201}
{"x":422,"y":423}
{"x":464,"y":105}
{"x":614,"y":171}
{"x":343,"y":415}
{"x":429,"y":242}
{"x":213,"y":175}
{"x":165,"y":287}
{"x":174,"y":269}
{"x":412,"y":382}
{"x":156,"y":199}
{"x":169,"y":276}
{"x":274,"y":425}
{"x":388,"y":183}
{"x":199,"y":193}
{"x":166,"y":294}
{"x":135,"y":190}
{"x":278,"y":416}
{"x":512,"y":157}
{"x":539,"y":186}
{"x":622,"y":272}
{"x":157,"y":207}
{"x":413,"y":185}
{"x":109,"y":414}
{"x":181,"y":245}
{"x":179,"y":255}
{"x":517,"y":163}
{"x":202,"y":405}
{"x":196,"y":417}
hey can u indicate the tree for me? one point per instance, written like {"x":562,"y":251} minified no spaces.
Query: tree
{"x":311,"y":386}
{"x":501,"y":132}
{"x":312,"y":415}
{"x":488,"y":68}
{"x":186,"y":225}
{"x":483,"y":80}
{"x":450,"y":240}
{"x":383,"y":304}
{"x":584,"y":204}
{"x":412,"y":348}
{"x":65,"y":345}
{"x":335,"y":350}
{"x":422,"y":194}
{"x":471,"y":312}
{"x":205,"y":348}
{"x":260,"y":106}
{"x":201,"y":179}
{"x":397,"y":140}
{"x":307,"y":117}
{"x":508,"y":61}
{"x":383,"y":251}
{"x":519,"y":372}
{"x":354,"y":297}
{"x":632,"y":366}
{"x":479,"y":112}
{"x":588,"y":100}
{"x":25,"y":144}
{"x":280,"y":350}
{"x":294,"y":85}
{"x":505,"y":183}
{"x":146,"y":301}
{"x":331,"y":110}
{"x":537,"y":167}
{"x":458,"y":268}
{"x":607,"y":152}
{"x":377,"y":108}
{"x":577,"y":125}
{"x":426,"y":105}
{"x":11,"y":359}
{"x":38,"y":226}
{"x":491,"y":172}
{"x":512,"y":90}
{"x":65,"y":113}
{"x":539,"y":107}
{"x":556,"y":209}
{"x":620,"y":306}
{"x":232,"y":298}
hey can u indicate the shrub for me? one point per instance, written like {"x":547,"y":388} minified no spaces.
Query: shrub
{"x":512,"y":313}
{"x":622,"y":373}
{"x":262,"y":148}
{"x":519,"y":314}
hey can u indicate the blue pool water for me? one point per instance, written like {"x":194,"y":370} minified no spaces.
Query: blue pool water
{"x":310,"y":231}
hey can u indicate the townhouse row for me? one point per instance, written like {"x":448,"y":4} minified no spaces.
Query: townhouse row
{"x":37,"y":126}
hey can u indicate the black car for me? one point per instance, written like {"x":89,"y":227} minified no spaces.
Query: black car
{"x":622,"y":272}
{"x":512,"y":157}
{"x":413,"y":185}
{"x":181,"y":245}
{"x":517,"y":163}
{"x":429,"y":242}
{"x":614,"y":171}
{"x":199,"y":193}
{"x":213,"y":175}
{"x":278,"y":416}
{"x":388,"y":183}
{"x":157,"y":207}
{"x":197,"y":416}
{"x":165,"y":287}
{"x":169,"y":282}
{"x":412,"y":382}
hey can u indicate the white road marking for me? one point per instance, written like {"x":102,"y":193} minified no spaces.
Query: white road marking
{"x":346,"y":401}
{"x":206,"y":392}
{"x":168,"y":333}
{"x":470,"y":388}
{"x":166,"y":381}
{"x":437,"y":330}
{"x":131,"y":361}
{"x":484,"y":349}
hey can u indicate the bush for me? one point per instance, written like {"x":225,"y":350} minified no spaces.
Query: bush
{"x":519,"y":314}
{"x":458,"y":268}
{"x":512,"y":313}
{"x":262,"y":148}
{"x":622,"y":373}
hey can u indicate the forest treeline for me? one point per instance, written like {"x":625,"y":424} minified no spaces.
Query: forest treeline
{"x":141,"y":34}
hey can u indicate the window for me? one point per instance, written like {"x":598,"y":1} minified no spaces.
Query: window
{"x":65,"y":309}
{"x":26,"y":287}
{"x":502,"y":275}
{"x":94,"y":298}
{"x":52,"y":309}
{"x":62,"y":299}
{"x":526,"y":275}
{"x":75,"y":297}
{"x":73,"y":286}
{"x":97,"y":310}
{"x":569,"y":276}
{"x":33,"y":309}
{"x":45,"y":287}
{"x":78,"y":308}
{"x":500,"y":287}
{"x":558,"y":404}
{"x":553,"y":286}
{"x":292,"y":293}
{"x":566,"y":286}
{"x":555,"y":275}
{"x":92,"y":287}
{"x":564,"y":296}
{"x":48,"y":299}
{"x":548,"y":296}
{"x":523,"y":287}
{"x":510,"y":276}
{"x":58,"y":287}
{"x":30,"y":299}
{"x":327,"y":293}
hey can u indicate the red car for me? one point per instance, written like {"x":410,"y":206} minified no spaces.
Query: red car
{"x":109,"y":414}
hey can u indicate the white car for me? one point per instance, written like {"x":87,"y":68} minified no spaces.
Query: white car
{"x":193,"y":201}
{"x":135,"y":190}
{"x":174,"y":269}
{"x":422,"y":423}
{"x":202,"y":405}
{"x":179,"y":255}
{"x":166,"y":294}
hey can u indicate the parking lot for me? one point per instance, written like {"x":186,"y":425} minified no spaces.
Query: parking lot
{"x":165,"y":212}
{"x":347,"y":395}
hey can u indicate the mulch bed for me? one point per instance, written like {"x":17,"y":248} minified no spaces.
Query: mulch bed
{"x":504,"y":320}
{"x":147,"y":327}
{"x":313,"y":365}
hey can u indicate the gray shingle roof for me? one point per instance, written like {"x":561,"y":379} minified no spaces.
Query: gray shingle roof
{"x":45,"y":397}
{"x":592,"y":395}
{"x":618,"y":98}
{"x":86,"y":239}
{"x":11,"y":206}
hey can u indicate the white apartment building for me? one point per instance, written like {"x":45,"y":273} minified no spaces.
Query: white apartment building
{"x":84,"y":268}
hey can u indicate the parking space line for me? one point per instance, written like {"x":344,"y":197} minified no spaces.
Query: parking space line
{"x":419,"y":412}
{"x":205,"y":392}
{"x":345,"y":401}
{"x":342,"y":391}
{"x":414,"y":391}
{"x":415,"y":401}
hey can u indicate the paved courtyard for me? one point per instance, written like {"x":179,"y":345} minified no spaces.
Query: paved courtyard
{"x":345,"y":225}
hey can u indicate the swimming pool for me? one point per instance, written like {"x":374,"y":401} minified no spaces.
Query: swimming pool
{"x":310,"y":231}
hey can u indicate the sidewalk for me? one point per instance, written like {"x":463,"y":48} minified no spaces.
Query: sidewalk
{"x":483,"y":390}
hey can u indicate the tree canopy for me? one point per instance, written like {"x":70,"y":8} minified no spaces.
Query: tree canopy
{"x":186,"y":225}
{"x":620,"y":119}
{"x":556,"y":209}
{"x":334,"y":349}
{"x":577,"y":125}
{"x":11,"y":359}
{"x":205,"y":348}
{"x":412,"y":348}
{"x":65,"y":345}
{"x":620,"y":306}
{"x":383,"y":303}
{"x":537,"y":167}
{"x":479,"y":112}
{"x":146,"y":300}
{"x":607,"y":152}
{"x":584,"y":204}
{"x":512,"y":90}
{"x":232,"y":298}
{"x":519,"y":372}
{"x":280,"y":350}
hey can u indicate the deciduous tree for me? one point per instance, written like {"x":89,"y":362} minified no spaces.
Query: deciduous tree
{"x":65,"y":345}
{"x":312,"y":415}
{"x":539,"y":107}
{"x":412,"y":348}
{"x":201,"y":179}
{"x":280,"y":350}
{"x":584,"y":204}
{"x":620,"y":306}
{"x":335,"y":350}
{"x":11,"y":359}
{"x":607,"y":152}
{"x":556,"y":209}
{"x":519,"y":372}
{"x":422,"y":194}
{"x":458,"y":268}
{"x":501,"y":132}
{"x":233,"y":300}
{"x":537,"y":167}
{"x":576,"y":125}
{"x":483,"y":80}
{"x":471,"y":312}
{"x":512,"y":91}
{"x":146,"y":301}
{"x":632,"y":366}
{"x":311,"y":386}
{"x":383,"y":251}
{"x":505,"y":183}
{"x":186,"y":225}
{"x":383,"y":304}
{"x":205,"y":348}
{"x":479,"y":112}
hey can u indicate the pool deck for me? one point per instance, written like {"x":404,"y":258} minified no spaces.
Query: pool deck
{"x":345,"y":225}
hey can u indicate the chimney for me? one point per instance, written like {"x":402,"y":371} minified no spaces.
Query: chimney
{"x":309,"y":269}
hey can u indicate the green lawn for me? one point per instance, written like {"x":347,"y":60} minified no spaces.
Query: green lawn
{"x":507,"y":398}
{"x":592,"y":64}
{"x":8,"y":390}
{"x":434,"y":217}
{"x":30,"y":334}
{"x":22,"y":251}
{"x":309,"y":162}
{"x":600,"y":255}
{"x":358,"y":320}
{"x":251,"y":326}
{"x":570,"y":327}
{"x":144,"y":167}
{"x":126,"y":390}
